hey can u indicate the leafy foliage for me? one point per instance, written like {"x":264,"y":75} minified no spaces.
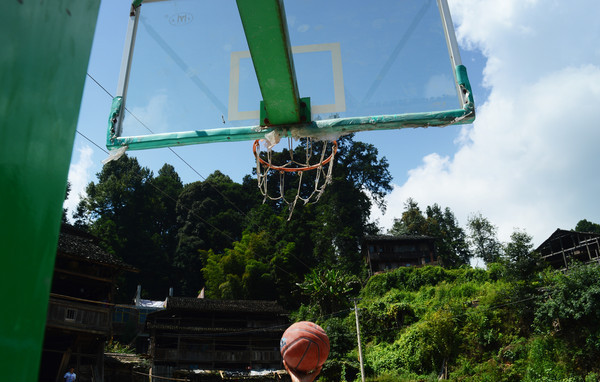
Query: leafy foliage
{"x":114,"y":346}
{"x":585,"y":225}
{"x":210,"y":216}
{"x":414,"y":321}
{"x":134,"y":220}
{"x":330,"y":289}
{"x":64,"y":218}
{"x":510,"y":322}
{"x":241,"y":272}
{"x":522,"y":262}
{"x":483,"y":240}
{"x":573,"y":298}
{"x":450,"y":238}
{"x":451,"y":244}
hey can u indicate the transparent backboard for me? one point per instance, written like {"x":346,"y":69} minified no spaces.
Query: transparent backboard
{"x":189,"y":69}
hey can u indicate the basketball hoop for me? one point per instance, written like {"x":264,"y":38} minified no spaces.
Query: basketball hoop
{"x":317,"y":159}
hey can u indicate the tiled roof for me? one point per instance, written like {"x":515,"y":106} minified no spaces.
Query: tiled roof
{"x":77,"y":243}
{"x":208,"y":305}
{"x":561,"y":233}
{"x":396,"y":238}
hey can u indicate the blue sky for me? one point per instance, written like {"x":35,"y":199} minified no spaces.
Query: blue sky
{"x":530,"y":160}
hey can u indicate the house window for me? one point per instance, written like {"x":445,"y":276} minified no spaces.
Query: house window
{"x":70,"y":314}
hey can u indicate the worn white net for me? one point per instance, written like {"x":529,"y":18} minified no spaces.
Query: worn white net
{"x":293,"y":166}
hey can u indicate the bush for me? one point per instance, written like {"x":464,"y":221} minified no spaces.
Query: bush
{"x":477,"y":322}
{"x":421,"y":348}
{"x":545,"y":362}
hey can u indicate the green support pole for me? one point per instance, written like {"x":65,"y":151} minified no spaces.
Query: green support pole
{"x":45,"y":52}
{"x":266,"y":31}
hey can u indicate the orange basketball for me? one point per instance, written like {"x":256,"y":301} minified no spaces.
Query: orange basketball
{"x":304,"y":346}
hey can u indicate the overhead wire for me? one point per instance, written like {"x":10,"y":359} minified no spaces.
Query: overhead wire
{"x":171,"y":149}
{"x":193,"y":169}
{"x":315,"y":319}
{"x":189,"y":210}
{"x":164,"y":193}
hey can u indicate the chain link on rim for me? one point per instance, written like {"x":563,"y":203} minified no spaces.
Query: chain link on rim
{"x":323,"y":170}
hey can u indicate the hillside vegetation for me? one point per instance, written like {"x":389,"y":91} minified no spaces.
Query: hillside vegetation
{"x":511,"y":322}
{"x":469,"y":325}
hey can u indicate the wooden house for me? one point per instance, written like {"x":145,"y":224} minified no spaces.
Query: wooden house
{"x":563,"y":247}
{"x":202,"y":334}
{"x":387,"y":252}
{"x":129,"y":322}
{"x":80,"y":307}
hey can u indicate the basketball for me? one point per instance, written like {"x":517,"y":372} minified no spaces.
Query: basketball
{"x":304,"y":346}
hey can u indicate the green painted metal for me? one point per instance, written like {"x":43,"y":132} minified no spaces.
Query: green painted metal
{"x":463,"y":81}
{"x":268,"y":39}
{"x":116,"y":109}
{"x":45,"y":53}
{"x":305,"y":112}
{"x":324,"y":128}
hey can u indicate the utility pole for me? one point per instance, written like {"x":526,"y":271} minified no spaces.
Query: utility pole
{"x":360,"y":357}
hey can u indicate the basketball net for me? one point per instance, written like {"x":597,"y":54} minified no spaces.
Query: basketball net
{"x":315,"y":160}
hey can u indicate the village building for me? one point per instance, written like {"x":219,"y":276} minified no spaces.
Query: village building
{"x":193,"y":335}
{"x":564,"y":247}
{"x":80,"y":307}
{"x":387,"y":252}
{"x":129,"y":321}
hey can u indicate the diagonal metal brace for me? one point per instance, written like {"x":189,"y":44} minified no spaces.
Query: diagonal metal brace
{"x":268,"y":39}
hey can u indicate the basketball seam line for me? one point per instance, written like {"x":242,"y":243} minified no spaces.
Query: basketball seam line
{"x":306,"y":351}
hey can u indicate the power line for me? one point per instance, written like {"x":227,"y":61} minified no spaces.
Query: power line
{"x":189,"y":210}
{"x":102,"y":87}
{"x":165,"y":194}
{"x":92,"y":142}
{"x":170,"y":149}
{"x":189,"y":165}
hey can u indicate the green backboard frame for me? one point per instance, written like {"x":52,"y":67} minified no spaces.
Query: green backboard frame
{"x":282,"y":109}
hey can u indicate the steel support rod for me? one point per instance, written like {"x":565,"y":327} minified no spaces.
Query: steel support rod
{"x":265,"y":26}
{"x":360,"y":357}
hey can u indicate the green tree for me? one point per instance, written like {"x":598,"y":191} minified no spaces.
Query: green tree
{"x":483,"y":239}
{"x":243,"y":271}
{"x":332,"y":229}
{"x":450,"y":238}
{"x":451,"y":242}
{"x":341,"y":218}
{"x":522,"y":261}
{"x":64,"y":218}
{"x":167,"y":186}
{"x":570,"y":308}
{"x":412,"y":221}
{"x":587,"y":226}
{"x":127,"y":212}
{"x":572,"y":297}
{"x":330,"y":289}
{"x":291,"y":248}
{"x":210,"y":215}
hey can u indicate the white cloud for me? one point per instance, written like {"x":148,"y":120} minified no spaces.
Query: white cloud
{"x":303,"y":28}
{"x":79,"y":177}
{"x":531,"y":159}
{"x":439,"y":85}
{"x":154,"y":114}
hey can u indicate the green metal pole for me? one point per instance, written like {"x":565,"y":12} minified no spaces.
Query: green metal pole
{"x":268,"y":39}
{"x":43,"y":61}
